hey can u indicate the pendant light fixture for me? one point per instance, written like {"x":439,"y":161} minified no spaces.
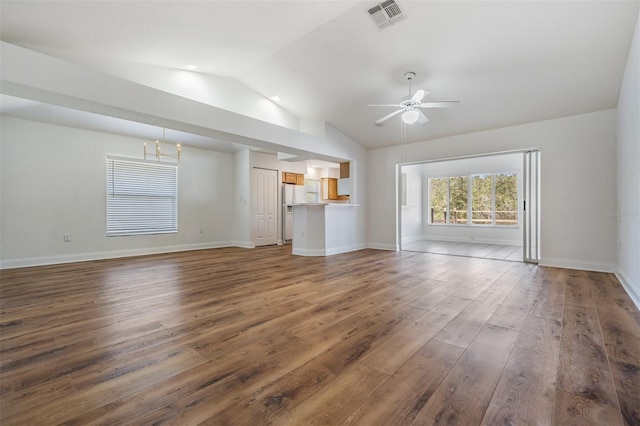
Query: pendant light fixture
{"x":159,"y":153}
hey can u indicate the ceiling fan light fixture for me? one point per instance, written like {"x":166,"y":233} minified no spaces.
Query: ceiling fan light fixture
{"x":410,"y":116}
{"x":410,"y":108}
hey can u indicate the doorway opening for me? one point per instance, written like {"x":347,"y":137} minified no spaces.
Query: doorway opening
{"x":484,"y":206}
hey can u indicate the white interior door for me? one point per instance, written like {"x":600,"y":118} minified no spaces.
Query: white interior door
{"x":266,"y":205}
{"x":531,"y":240}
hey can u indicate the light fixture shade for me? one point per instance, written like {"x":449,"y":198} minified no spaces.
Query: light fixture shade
{"x":410,"y":116}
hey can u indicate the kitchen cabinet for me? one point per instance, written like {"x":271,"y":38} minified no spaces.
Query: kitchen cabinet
{"x":329,"y":188}
{"x":293,"y":178}
{"x":344,"y":170}
{"x":333,"y":189}
{"x":289,"y":177}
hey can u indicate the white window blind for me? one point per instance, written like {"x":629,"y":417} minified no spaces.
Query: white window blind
{"x":142,"y":197}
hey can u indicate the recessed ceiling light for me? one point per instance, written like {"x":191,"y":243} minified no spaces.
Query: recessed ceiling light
{"x":275,"y":98}
{"x":191,"y":67}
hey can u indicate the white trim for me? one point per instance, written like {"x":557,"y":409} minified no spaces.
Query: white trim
{"x":83,"y":257}
{"x":474,"y":240}
{"x":412,"y":239}
{"x":577,"y":264}
{"x":345,"y":249}
{"x":380,"y":246}
{"x":469,"y":226}
{"x":171,"y":163}
{"x":308,"y":252}
{"x":464,"y":157}
{"x":328,"y":251}
{"x":244,"y":244}
{"x":633,"y":295}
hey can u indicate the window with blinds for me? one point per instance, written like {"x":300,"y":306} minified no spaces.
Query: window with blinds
{"x":142,"y":197}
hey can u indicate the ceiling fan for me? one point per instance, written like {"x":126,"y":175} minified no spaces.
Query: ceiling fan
{"x":410,"y":108}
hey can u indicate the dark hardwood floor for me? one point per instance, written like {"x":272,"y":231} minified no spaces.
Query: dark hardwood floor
{"x":250,"y":337}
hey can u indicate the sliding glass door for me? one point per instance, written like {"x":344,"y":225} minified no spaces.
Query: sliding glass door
{"x":531,"y":200}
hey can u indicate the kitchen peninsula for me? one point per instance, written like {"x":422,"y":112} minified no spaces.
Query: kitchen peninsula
{"x":323,"y":229}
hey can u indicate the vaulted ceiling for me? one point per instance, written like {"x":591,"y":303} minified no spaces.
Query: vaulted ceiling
{"x":508,"y":62}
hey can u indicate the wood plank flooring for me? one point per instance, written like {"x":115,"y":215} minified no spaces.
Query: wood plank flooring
{"x":480,"y":250}
{"x":255,"y":337}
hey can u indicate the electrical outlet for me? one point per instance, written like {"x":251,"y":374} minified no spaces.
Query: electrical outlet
{"x":67,"y":238}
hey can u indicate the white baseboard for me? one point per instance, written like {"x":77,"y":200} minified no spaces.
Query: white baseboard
{"x":577,"y":264}
{"x":345,"y":249}
{"x":412,"y":239}
{"x":379,"y":246}
{"x":83,"y":257}
{"x":473,"y":240}
{"x":308,"y":252}
{"x":631,"y":290}
{"x":244,"y":244}
{"x":327,"y":252}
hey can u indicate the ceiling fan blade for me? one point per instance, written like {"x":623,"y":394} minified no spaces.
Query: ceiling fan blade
{"x":421,"y":117}
{"x":387,"y":105}
{"x":417,"y":97}
{"x":443,"y":104}
{"x":386,"y":117}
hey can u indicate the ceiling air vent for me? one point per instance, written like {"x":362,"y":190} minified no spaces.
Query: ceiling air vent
{"x":385,"y":13}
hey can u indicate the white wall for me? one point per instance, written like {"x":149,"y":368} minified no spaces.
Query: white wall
{"x":340,"y":221}
{"x":53,"y":183}
{"x":627,"y":210}
{"x":242,"y":203}
{"x":330,"y":172}
{"x":81,"y":88}
{"x":411,"y":222}
{"x":577,"y":183}
{"x":222,"y":92}
{"x":313,"y":173}
{"x":464,"y":167}
{"x":270,"y":161}
{"x":323,"y":230}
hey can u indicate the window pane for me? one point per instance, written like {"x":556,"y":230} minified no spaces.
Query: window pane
{"x":458,"y":199}
{"x":506,"y":199}
{"x":312,"y":189}
{"x":438,"y":199}
{"x":481,"y":213}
